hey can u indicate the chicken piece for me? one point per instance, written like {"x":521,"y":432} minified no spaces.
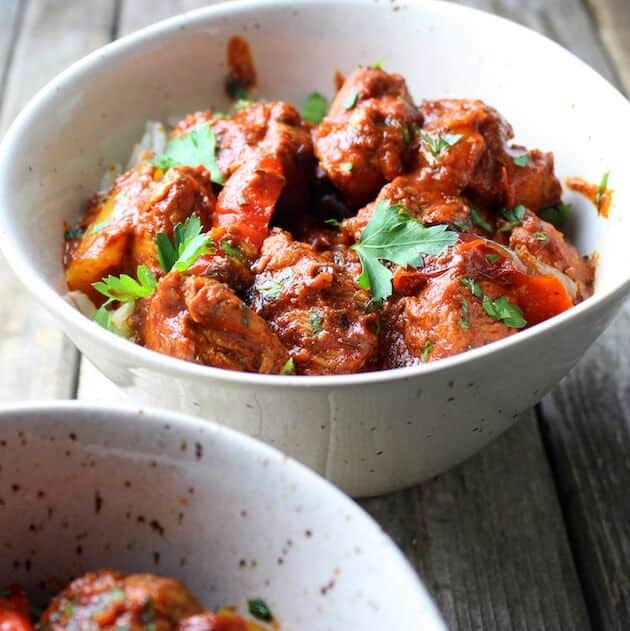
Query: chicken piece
{"x":14,"y":610}
{"x":423,"y":200}
{"x":536,"y":240}
{"x":478,"y":158}
{"x":315,"y":306}
{"x":108,"y":600}
{"x":274,"y":128}
{"x":452,"y":310}
{"x":369,"y":135}
{"x":119,"y":229}
{"x":201,"y":320}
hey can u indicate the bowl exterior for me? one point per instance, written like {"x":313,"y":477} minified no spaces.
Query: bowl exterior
{"x":143,"y":491}
{"x":376,"y":437}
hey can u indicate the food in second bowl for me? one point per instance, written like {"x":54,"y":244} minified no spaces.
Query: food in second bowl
{"x":108,"y":601}
{"x":369,"y":235}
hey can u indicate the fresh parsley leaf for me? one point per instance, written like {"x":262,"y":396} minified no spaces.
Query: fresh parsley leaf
{"x":188,"y":245}
{"x":500,"y":309}
{"x":505,"y":311}
{"x":464,"y":321}
{"x":462,"y":225}
{"x":393,"y":235}
{"x":437,"y":143}
{"x":556,"y":215}
{"x":474,"y":288}
{"x":335,"y":223}
{"x":426,"y":351}
{"x":97,"y":227}
{"x":124,"y":288}
{"x":241,"y":104}
{"x":522,"y":160}
{"x":351,"y":99}
{"x":540,"y":236}
{"x":257,"y":606}
{"x":233,"y":251}
{"x":346,"y":167}
{"x":492,"y":258}
{"x":103,"y":318}
{"x":601,"y":189}
{"x":316,"y":322}
{"x":513,"y":216}
{"x":315,"y":108}
{"x":70,"y":235}
{"x":287,"y":369}
{"x":478,"y":220}
{"x":196,"y":148}
{"x":274,"y":286}
{"x":378,"y":65}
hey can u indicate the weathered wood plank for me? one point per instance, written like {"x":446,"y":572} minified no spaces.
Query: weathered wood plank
{"x":11,"y":13}
{"x":136,"y":14}
{"x":36,"y":361}
{"x":587,"y":429}
{"x":613,"y":21}
{"x":489,"y":540}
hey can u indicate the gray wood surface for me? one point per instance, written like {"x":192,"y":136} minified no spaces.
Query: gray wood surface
{"x":491,"y":539}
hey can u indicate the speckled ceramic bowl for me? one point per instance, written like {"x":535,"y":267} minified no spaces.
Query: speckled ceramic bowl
{"x":84,"y":487}
{"x":367,"y":432}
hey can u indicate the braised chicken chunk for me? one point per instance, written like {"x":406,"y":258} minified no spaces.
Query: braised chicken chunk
{"x":318,"y":311}
{"x":369,"y":136}
{"x":366,"y":235}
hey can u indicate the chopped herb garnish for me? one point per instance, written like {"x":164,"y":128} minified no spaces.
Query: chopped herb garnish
{"x":68,"y":608}
{"x":257,"y":606}
{"x":335,"y":223}
{"x":244,"y":315}
{"x":70,"y":235}
{"x":522,"y":160}
{"x":124,"y":288}
{"x":392,"y":234}
{"x":274,"y":286}
{"x":601,"y":189}
{"x":351,"y":99}
{"x":503,"y":310}
{"x":462,"y":225}
{"x":148,"y":615}
{"x":464,"y":321}
{"x":103,"y":318}
{"x":287,"y":369}
{"x":500,"y":309}
{"x":513,"y":216}
{"x":97,"y":227}
{"x":378,"y":65}
{"x":346,"y":167}
{"x":316,"y":322}
{"x":426,"y":351}
{"x":236,"y":89}
{"x":540,"y":236}
{"x":492,"y":258}
{"x":478,"y":220}
{"x":196,"y":148}
{"x":556,"y":215}
{"x":188,"y":245}
{"x":437,"y":143}
{"x":241,"y":104}
{"x":315,"y":108}
{"x":233,"y":251}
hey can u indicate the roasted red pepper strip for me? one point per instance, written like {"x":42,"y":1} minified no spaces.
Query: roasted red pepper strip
{"x":248,"y":200}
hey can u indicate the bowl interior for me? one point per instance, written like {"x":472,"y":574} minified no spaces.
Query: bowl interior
{"x":47,"y":171}
{"x":83,"y":488}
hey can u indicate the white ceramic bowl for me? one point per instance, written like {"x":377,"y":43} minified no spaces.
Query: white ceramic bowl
{"x":88,"y":487}
{"x":367,"y":432}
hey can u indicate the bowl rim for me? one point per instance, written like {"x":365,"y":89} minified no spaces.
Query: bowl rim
{"x":234,"y":442}
{"x":164,"y":364}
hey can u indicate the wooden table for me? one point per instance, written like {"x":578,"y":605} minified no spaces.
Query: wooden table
{"x":532,"y":533}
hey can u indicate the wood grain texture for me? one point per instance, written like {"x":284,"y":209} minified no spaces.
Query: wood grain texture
{"x":612,"y":18}
{"x":489,"y":541}
{"x":136,"y":14}
{"x":36,"y":360}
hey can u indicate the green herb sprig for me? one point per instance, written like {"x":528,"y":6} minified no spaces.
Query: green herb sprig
{"x":257,"y":606}
{"x":513,"y":216}
{"x":315,"y":108}
{"x":437,"y":143}
{"x":188,"y":245}
{"x":556,"y":215}
{"x":392,"y":234}
{"x":501,"y":309}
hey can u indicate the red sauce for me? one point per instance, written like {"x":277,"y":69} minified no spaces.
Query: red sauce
{"x":601,"y":199}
